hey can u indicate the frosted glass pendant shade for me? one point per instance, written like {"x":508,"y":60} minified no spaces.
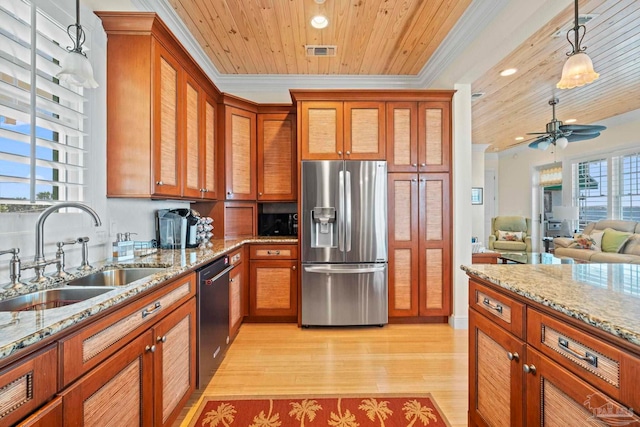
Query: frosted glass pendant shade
{"x":577,"y":71}
{"x":77,"y":70}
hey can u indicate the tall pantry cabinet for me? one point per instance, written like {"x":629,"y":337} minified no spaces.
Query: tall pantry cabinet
{"x":411,"y":130}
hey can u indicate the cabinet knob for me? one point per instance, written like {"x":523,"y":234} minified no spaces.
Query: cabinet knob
{"x":152,"y":348}
{"x":340,"y":152}
{"x":529,"y":369}
{"x":229,"y":193}
{"x":230,"y":280}
{"x":414,"y":179}
{"x":293,"y":267}
{"x":159,"y":183}
{"x":162,"y":338}
{"x":204,"y":190}
{"x":423,"y":165}
{"x":415,"y":165}
{"x":348,"y":153}
{"x":259,"y":194}
{"x":513,"y":356}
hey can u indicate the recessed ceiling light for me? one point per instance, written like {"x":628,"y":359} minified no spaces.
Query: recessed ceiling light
{"x":519,"y":138}
{"x":570,"y":121}
{"x":319,"y":21}
{"x":508,"y":72}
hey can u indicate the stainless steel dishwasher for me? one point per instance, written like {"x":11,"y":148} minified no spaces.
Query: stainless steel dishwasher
{"x":213,"y":317}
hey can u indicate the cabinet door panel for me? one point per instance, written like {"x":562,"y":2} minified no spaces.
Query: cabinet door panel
{"x":403,"y":244}
{"x":118,"y":392}
{"x":192,"y":178}
{"x":435,"y":245}
{"x":322,"y":130}
{"x":495,"y":382}
{"x":364,"y":131}
{"x":277,"y":157}
{"x":557,"y":398}
{"x":167,"y":133}
{"x":239,"y":219}
{"x":240,"y":144}
{"x":175,"y":363}
{"x":49,"y":415}
{"x":434,"y":136}
{"x":235,"y":299}
{"x":402,"y":136}
{"x":209,"y":156}
{"x":274,"y":288}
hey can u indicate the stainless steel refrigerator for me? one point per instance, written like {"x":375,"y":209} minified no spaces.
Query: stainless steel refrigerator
{"x":344,"y":243}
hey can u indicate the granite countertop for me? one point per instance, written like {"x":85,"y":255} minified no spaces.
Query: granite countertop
{"x":22,"y":329}
{"x":606,"y":296}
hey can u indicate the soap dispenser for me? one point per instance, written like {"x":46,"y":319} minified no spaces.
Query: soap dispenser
{"x":123,"y":247}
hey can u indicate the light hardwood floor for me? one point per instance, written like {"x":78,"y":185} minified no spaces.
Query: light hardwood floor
{"x":282,"y":359}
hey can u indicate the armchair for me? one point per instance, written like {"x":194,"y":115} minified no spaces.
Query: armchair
{"x":503,"y":225}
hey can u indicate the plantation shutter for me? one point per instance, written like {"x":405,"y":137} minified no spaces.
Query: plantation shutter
{"x":626,"y":178}
{"x":591,"y":187}
{"x":41,"y":120}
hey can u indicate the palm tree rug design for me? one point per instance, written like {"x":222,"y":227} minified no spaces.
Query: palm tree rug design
{"x":383,"y":411}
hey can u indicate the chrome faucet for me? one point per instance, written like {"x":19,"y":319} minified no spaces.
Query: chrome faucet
{"x":39,"y":261}
{"x":14,"y":268}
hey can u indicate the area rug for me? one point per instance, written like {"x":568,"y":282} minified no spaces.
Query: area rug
{"x":309,"y":411}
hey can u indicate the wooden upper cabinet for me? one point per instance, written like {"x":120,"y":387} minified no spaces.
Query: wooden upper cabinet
{"x":334,"y":130}
{"x":322,"y":130}
{"x":364,"y":130}
{"x":277,"y":175}
{"x":402,"y":136}
{"x":192,"y":140}
{"x":434,"y":136}
{"x":166,"y":123}
{"x":240,"y":154}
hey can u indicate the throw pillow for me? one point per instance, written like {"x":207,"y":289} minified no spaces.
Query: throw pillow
{"x":614,"y":240}
{"x":633,"y":245}
{"x":510,"y":236}
{"x":596,"y":235}
{"x":583,"y":241}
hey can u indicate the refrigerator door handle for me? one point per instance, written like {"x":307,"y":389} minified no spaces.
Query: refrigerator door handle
{"x":341,"y":211}
{"x":344,"y":270}
{"x":347,"y":212}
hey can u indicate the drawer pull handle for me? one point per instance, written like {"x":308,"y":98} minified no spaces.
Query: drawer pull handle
{"x":148,"y":311}
{"x":588,"y":357}
{"x":273,"y":252}
{"x":496,"y":307}
{"x":529,"y":369}
{"x":513,"y":356}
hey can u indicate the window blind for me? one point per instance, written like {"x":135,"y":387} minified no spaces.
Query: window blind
{"x":628,"y":183}
{"x":42,"y":142}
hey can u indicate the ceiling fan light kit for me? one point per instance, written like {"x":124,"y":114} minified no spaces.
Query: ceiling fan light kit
{"x":578,"y":69}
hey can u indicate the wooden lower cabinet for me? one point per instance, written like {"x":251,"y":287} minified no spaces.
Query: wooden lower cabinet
{"x":27,"y":384}
{"x":238,"y":291}
{"x":273,"y":282}
{"x":50,"y":415}
{"x":145,"y":383}
{"x":515,"y":379}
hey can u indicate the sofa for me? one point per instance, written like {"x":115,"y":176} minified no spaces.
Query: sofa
{"x":510,"y":234}
{"x":605,"y":241}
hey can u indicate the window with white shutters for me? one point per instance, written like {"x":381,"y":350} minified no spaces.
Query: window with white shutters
{"x":42,"y":150}
{"x":591,"y":187}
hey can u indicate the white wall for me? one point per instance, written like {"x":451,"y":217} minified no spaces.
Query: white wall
{"x":516,"y":166}
{"x":477,"y":180}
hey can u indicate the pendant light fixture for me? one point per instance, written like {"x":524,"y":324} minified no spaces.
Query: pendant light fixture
{"x":578,"y":70}
{"x":76,"y":68}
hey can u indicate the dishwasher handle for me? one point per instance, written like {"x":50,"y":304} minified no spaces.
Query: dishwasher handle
{"x":209,"y":282}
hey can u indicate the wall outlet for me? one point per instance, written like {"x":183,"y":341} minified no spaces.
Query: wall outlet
{"x":101,"y":236}
{"x":113,"y":225}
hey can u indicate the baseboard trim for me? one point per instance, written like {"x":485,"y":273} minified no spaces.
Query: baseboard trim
{"x":459,"y":322}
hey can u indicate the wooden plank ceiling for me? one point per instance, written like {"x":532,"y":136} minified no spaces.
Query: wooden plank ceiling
{"x":515,"y":105}
{"x":373,"y":37}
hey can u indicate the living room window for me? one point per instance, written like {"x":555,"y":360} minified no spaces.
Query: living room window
{"x":42,"y":139}
{"x":608,"y":188}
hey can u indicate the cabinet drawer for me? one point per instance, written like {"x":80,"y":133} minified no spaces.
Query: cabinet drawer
{"x":603,"y":365}
{"x":503,"y":310}
{"x":274,"y":251}
{"x":25,"y":385}
{"x":236,"y":257}
{"x":93,"y":344}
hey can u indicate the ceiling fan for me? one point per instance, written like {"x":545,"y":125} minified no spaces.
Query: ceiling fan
{"x":560,"y":135}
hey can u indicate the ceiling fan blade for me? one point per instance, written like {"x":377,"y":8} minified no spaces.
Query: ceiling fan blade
{"x":578,"y":128}
{"x":581,"y":137}
{"x":583,"y":132}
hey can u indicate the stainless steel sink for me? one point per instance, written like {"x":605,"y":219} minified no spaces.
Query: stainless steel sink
{"x":51,"y":298}
{"x":118,"y":277}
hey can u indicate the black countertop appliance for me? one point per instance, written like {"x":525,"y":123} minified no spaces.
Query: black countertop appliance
{"x":176,"y":228}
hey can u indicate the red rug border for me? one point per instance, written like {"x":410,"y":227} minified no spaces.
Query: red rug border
{"x":206,"y":398}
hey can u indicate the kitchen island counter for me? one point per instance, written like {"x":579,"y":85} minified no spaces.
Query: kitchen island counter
{"x":23,"y":329}
{"x":605,"y":296}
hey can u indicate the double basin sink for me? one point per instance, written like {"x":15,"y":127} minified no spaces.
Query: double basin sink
{"x":77,"y":290}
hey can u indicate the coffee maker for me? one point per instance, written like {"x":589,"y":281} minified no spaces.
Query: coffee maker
{"x":176,"y":228}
